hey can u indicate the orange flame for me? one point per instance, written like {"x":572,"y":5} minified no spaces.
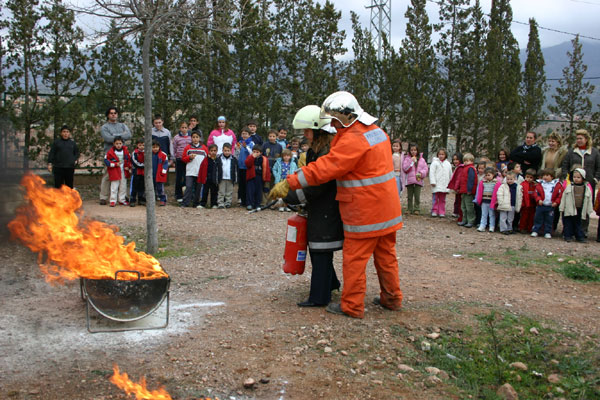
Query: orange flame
{"x":138,"y":389}
{"x":75,"y":246}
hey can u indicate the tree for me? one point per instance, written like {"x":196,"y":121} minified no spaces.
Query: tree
{"x":150,"y":20}
{"x":114,"y":78}
{"x":25,"y":58}
{"x":453,"y":28}
{"x":420,"y":71}
{"x":64,"y":76}
{"x":533,"y":85}
{"x":572,"y":96}
{"x":471,"y":86}
{"x":502,"y":78}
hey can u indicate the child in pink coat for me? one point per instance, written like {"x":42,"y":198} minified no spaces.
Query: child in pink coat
{"x":415,"y":168}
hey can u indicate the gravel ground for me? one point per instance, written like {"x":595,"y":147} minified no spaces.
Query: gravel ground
{"x":233,"y":313}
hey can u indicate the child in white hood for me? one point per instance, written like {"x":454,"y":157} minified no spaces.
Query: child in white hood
{"x":440,"y":173}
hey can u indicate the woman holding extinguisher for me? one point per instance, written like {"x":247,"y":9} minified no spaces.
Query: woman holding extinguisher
{"x":325,"y":233}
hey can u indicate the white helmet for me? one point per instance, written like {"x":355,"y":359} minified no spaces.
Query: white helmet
{"x":344,"y":107}
{"x":308,"y":118}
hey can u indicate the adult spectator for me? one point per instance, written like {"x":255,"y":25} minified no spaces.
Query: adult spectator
{"x":554,"y":154}
{"x":221,"y":134}
{"x":194,"y":127}
{"x":552,"y":158}
{"x":583,"y":155}
{"x":163,"y":136}
{"x":109,"y":131}
{"x":529,"y":155}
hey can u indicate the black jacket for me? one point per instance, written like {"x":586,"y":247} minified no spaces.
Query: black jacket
{"x":233,"y":170}
{"x":63,"y":153}
{"x":324,"y":226}
{"x":533,"y":155}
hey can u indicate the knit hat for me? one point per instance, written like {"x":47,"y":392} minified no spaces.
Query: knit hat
{"x":221,"y":118}
{"x":581,"y":171}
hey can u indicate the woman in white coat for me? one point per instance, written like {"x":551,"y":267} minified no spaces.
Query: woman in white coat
{"x":440,"y":173}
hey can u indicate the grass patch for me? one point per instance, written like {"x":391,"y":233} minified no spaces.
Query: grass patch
{"x":581,"y":269}
{"x":478,"y":359}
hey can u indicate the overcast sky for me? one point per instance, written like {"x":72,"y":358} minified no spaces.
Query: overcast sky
{"x":574,"y":16}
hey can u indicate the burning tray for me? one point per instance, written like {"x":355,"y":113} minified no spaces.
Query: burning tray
{"x":125,"y":301}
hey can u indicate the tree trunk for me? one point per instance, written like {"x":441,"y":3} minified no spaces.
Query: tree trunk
{"x":151,"y":228}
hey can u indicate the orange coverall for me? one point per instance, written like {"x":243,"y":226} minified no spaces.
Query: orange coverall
{"x":360,"y":160}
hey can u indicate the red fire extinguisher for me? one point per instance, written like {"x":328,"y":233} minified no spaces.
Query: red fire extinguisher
{"x":295,"y":245}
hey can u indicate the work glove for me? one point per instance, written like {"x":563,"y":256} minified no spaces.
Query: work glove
{"x":280,"y":190}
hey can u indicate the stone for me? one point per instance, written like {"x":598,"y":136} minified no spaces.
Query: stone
{"x":327,"y":349}
{"x":432,"y":380}
{"x":425,"y":346}
{"x":519,"y":365}
{"x":249,"y":383}
{"x":264,"y":380}
{"x":554,"y":378}
{"x":344,"y":352}
{"x":405,"y":368}
{"x":507,"y":392}
{"x":534,"y":331}
{"x":432,"y":370}
{"x":433,"y":335}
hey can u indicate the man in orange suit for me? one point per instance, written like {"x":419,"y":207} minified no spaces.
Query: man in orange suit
{"x":360,"y":160}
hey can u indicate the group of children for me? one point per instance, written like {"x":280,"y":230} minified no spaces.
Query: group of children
{"x":208,"y":173}
{"x":492,"y":194}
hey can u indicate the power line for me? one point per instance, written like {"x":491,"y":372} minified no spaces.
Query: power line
{"x":588,"y":78}
{"x":439,"y":2}
{"x":585,"y":2}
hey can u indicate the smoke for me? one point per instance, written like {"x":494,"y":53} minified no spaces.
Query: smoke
{"x":11,"y":172}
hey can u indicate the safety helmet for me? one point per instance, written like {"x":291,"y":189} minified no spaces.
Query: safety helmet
{"x":344,"y":107}
{"x":308,"y":118}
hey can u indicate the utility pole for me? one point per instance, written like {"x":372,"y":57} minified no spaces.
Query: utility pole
{"x":381,"y":23}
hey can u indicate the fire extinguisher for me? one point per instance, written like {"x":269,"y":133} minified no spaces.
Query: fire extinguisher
{"x":295,"y":245}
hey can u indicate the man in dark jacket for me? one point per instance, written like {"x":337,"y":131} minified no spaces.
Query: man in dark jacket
{"x":324,"y":228}
{"x":529,"y":155}
{"x":62,"y":158}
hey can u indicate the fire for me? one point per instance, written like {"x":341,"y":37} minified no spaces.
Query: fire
{"x":138,"y":389}
{"x":50,"y":224}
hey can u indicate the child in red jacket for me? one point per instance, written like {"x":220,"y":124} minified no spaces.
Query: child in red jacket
{"x":548,"y":193}
{"x":118,"y":165}
{"x":464,"y":182}
{"x":160,"y":168}
{"x":528,"y":206}
{"x":257,"y":174}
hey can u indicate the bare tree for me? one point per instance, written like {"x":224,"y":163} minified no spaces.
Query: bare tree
{"x":147,"y":19}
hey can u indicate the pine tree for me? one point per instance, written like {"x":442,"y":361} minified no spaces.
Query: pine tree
{"x":572,"y":96}
{"x":25,"y":57}
{"x":114,"y":78}
{"x":533,"y":86}
{"x":502,"y":79}
{"x":64,"y":74}
{"x":361,"y":73}
{"x":453,"y":28}
{"x":420,"y":92}
{"x":472,"y":88}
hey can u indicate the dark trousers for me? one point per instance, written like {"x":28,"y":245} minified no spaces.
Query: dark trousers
{"x":323,"y":279}
{"x":242,"y":186}
{"x":572,"y":226}
{"x":179,"y":178}
{"x":192,"y":191}
{"x":477,"y":214}
{"x":212,"y":189}
{"x":254,"y":191}
{"x":516,"y":221}
{"x":63,"y":176}
{"x":544,"y":215}
{"x":138,"y":189}
{"x":159,"y":191}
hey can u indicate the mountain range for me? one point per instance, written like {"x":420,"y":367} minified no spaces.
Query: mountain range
{"x":556,"y":59}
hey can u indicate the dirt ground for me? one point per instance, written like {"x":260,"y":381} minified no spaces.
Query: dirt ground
{"x":233,"y":312}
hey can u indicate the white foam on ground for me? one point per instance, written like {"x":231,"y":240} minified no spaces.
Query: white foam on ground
{"x":65,"y":337}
